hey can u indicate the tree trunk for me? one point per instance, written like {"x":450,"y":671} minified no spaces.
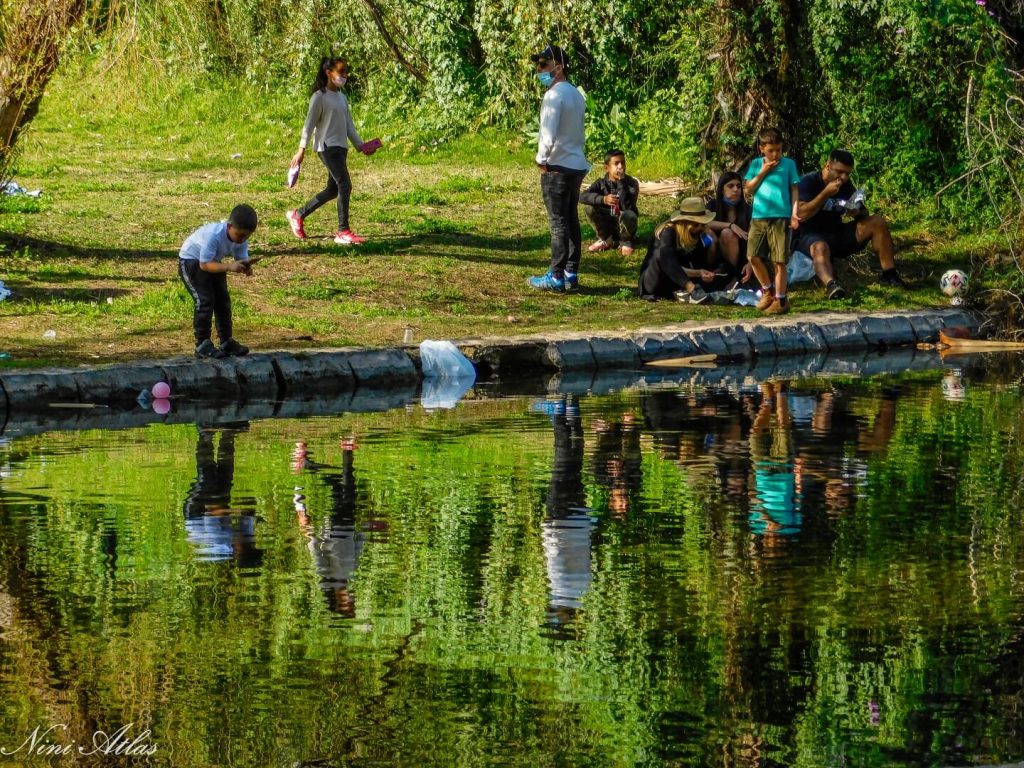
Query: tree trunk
{"x":33,"y":39}
{"x":757,"y":82}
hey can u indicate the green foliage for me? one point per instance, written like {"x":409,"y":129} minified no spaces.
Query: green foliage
{"x":886,"y":78}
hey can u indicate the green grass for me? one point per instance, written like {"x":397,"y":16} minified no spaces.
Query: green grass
{"x":454,"y":231}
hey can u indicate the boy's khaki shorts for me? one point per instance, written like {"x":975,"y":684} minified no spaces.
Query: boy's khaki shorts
{"x":775,"y":232}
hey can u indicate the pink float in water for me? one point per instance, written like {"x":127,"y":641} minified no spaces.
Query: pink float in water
{"x":161,"y":406}
{"x":161,"y":390}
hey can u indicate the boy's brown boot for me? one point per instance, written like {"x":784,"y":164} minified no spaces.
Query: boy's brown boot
{"x":767,"y":299}
{"x":778,"y":307}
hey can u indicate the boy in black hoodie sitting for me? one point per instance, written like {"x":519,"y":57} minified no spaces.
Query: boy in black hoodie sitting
{"x":611,"y":206}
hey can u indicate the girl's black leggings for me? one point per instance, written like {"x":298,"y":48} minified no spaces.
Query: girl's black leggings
{"x":339,"y":185}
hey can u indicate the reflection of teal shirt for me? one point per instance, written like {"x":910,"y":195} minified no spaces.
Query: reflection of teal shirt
{"x":775,"y":485}
{"x":772,"y":199}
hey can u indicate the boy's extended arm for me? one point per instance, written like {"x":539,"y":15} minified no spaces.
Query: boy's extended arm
{"x":219,"y":266}
{"x":794,"y":195}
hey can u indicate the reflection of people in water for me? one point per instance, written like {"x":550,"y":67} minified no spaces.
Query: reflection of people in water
{"x":776,"y":506}
{"x":824,"y":463}
{"x":219,"y":531}
{"x":567,"y":529}
{"x":337,"y":545}
{"x":617,"y":462}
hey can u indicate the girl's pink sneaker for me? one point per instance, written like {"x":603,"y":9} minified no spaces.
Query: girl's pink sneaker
{"x":348,"y":237}
{"x":296,"y":223}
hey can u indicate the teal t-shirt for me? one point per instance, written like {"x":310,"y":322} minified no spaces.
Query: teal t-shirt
{"x":772,"y":200}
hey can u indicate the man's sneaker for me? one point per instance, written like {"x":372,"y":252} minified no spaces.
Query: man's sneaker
{"x":892,"y":277}
{"x":348,"y":237}
{"x":297,"y":224}
{"x":767,"y":299}
{"x":778,"y":307}
{"x":834,"y":291}
{"x":572,"y":282}
{"x":626,"y":250}
{"x":232,"y":348}
{"x":601,"y":245}
{"x":547,"y":282}
{"x":698,"y":295}
{"x":206,"y":349}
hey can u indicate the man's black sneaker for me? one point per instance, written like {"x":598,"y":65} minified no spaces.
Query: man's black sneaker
{"x":892,"y":277}
{"x":206,"y":349}
{"x":232,"y":348}
{"x":835,"y":291}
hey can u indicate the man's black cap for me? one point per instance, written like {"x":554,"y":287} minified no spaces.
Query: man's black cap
{"x":552,"y":53}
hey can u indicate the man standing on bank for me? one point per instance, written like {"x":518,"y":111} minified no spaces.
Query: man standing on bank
{"x":563,"y":165}
{"x":826,"y":196}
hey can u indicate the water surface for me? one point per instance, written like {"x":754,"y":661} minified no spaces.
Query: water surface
{"x":795,"y":572}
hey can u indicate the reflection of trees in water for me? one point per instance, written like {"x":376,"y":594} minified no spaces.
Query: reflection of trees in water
{"x":890,"y":622}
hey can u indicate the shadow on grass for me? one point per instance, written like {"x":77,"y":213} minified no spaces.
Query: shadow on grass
{"x":50,"y":248}
{"x":50,"y":295}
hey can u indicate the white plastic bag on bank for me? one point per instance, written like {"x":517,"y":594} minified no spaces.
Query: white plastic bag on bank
{"x":447,"y":374}
{"x":443,"y":360}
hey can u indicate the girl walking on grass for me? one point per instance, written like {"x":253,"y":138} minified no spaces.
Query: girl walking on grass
{"x":329,"y":122}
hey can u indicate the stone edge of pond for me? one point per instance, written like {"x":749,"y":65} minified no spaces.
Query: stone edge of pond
{"x":281,"y":375}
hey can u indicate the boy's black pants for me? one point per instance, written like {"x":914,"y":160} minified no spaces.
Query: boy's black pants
{"x":613,"y":229}
{"x":209,"y":290}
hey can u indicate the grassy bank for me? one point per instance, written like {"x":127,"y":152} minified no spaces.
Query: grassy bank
{"x":454,"y":232}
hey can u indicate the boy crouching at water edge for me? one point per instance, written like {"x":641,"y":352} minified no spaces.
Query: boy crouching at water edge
{"x":610,"y":203}
{"x":771,"y":180}
{"x":203,"y":271}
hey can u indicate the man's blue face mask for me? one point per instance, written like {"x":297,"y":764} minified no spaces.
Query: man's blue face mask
{"x":546,"y":78}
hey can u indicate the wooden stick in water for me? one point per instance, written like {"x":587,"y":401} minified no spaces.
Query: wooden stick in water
{"x":685,"y":362}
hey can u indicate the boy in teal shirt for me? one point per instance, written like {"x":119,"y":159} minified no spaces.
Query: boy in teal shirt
{"x":771,"y":181}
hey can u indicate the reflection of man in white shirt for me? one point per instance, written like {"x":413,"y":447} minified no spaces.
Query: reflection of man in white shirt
{"x":567,"y":553}
{"x":566,"y":532}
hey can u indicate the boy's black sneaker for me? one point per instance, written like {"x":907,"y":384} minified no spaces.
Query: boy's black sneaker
{"x":834,"y":291}
{"x":892,"y":277}
{"x":232,"y":348}
{"x":206,"y":349}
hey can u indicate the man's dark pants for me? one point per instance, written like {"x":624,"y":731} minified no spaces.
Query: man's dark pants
{"x":561,"y":190}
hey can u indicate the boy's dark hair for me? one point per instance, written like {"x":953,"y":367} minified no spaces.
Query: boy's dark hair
{"x":327,"y":63}
{"x":843,"y":156}
{"x":243,"y":217}
{"x":769,"y":136}
{"x":613,"y":153}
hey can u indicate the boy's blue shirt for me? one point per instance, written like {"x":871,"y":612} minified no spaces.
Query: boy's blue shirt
{"x":772,"y":199}
{"x":211,"y":243}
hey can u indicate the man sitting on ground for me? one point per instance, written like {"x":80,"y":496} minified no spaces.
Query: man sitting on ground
{"x":825,"y":197}
{"x":611,"y":206}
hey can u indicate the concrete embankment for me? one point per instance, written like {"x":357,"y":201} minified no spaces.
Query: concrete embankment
{"x":340,"y":374}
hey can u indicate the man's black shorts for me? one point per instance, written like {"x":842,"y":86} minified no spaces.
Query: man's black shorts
{"x":841,"y":242}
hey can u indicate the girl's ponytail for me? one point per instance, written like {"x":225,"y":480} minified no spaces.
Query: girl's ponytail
{"x":327,"y":63}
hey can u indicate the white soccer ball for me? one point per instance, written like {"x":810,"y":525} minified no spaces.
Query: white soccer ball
{"x":953,"y":282}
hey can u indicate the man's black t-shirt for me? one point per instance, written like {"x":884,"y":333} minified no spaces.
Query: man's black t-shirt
{"x":825,"y":222}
